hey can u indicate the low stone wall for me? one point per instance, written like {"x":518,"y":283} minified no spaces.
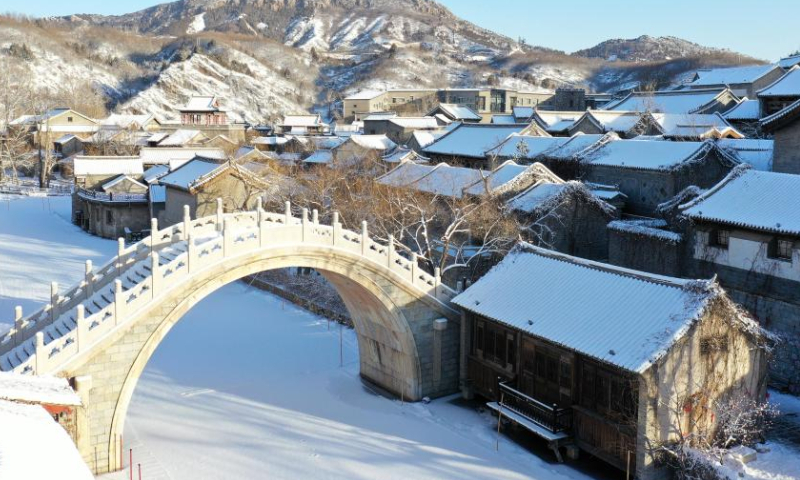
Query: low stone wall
{"x":640,"y":245}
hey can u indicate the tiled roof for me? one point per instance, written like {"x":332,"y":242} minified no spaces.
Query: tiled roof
{"x":786,"y":86}
{"x":746,"y":110}
{"x":752,"y":199}
{"x":671,"y":101}
{"x":472,"y":140}
{"x":625,"y":318}
{"x":732,"y":75}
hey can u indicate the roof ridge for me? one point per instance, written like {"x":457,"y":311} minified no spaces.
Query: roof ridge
{"x":737,"y":172}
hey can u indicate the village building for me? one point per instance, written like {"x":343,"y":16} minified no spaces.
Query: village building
{"x":694,"y":127}
{"x":784,"y":126}
{"x":564,"y":160}
{"x":358,"y":148}
{"x":569,"y":100}
{"x":651,"y":172}
{"x":174,"y":157}
{"x":602,"y":358}
{"x":468,"y":144}
{"x":203,"y":110}
{"x":781,"y":93}
{"x":201,"y":181}
{"x":302,"y":124}
{"x":67,"y":145}
{"x":563,"y":216}
{"x":625,"y":124}
{"x":786,"y":63}
{"x":745,"y":117}
{"x":746,"y":231}
{"x":421,"y":139}
{"x":709,"y":100}
{"x":403,"y":154}
{"x":743,"y":81}
{"x":110,"y":199}
{"x":399,"y":129}
{"x":438,"y":180}
{"x":131,"y":122}
{"x":555,"y":123}
{"x":54,"y":124}
{"x":178,"y":139}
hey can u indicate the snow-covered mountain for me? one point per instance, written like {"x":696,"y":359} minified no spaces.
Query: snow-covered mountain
{"x":266,"y":58}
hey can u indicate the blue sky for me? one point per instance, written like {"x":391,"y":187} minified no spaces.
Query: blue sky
{"x":739,"y":25}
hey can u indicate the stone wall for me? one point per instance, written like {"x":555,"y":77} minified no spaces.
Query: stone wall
{"x":640,"y":250}
{"x":786,"y":156}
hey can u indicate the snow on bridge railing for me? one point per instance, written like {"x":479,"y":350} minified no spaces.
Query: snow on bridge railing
{"x":144,"y":271}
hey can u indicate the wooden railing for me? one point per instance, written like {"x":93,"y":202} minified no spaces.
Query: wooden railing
{"x":551,"y":417}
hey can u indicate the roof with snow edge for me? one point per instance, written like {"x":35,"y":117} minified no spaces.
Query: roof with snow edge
{"x":694,"y":125}
{"x":183,"y":137}
{"x":786,"y":86}
{"x":404,"y":174}
{"x":34,"y":446}
{"x":365,"y":95}
{"x":753,"y":199}
{"x":781,"y":118}
{"x":168,"y":155}
{"x":372,"y":142}
{"x":458,"y":112}
{"x":578,"y":144}
{"x":789,"y":62}
{"x":201,"y":103}
{"x":756,"y":152}
{"x":122,"y":178}
{"x":504,"y":119}
{"x":612,"y":120}
{"x":556,"y":121}
{"x":416,"y":122}
{"x":732,"y":75}
{"x":155,"y":172}
{"x":320,"y":156}
{"x":508,"y":174}
{"x":537,"y":196}
{"x":618,"y":316}
{"x":37,"y":389}
{"x":472,"y":140}
{"x":83,"y":166}
{"x":534,"y":146}
{"x":522,"y":113}
{"x":302,"y":121}
{"x":447,"y":180}
{"x":425,"y":138}
{"x":669,"y":101}
{"x":187,"y":175}
{"x":647,"y":154}
{"x":402,"y":154}
{"x":746,"y":110}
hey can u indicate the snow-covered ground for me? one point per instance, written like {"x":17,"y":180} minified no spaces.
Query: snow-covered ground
{"x":213,"y":403}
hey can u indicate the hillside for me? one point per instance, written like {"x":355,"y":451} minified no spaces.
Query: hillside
{"x":269,"y":57}
{"x":648,"y":49}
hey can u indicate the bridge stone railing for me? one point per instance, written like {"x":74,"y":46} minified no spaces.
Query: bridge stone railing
{"x":196,"y":245}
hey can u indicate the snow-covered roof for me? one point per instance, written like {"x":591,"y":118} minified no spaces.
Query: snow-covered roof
{"x":647,"y":154}
{"x":443,"y":119}
{"x":555,"y":122}
{"x":448,"y":181}
{"x":404,"y":174}
{"x":155,"y":172}
{"x":669,"y":101}
{"x":122,"y":178}
{"x":365,"y":95}
{"x":425,"y":138}
{"x":320,"y":156}
{"x":459,"y":112}
{"x":504,"y":119}
{"x":745,"y":110}
{"x":302,"y":121}
{"x":373,"y":142}
{"x":201,"y":103}
{"x":427,"y":123}
{"x":34,"y":446}
{"x":781,"y":118}
{"x":84,"y":166}
{"x":510,"y":178}
{"x":789,"y":62}
{"x":625,"y":318}
{"x":379,"y":116}
{"x":694,"y":125}
{"x":534,"y":146}
{"x":472,"y":140}
{"x":536,"y":197}
{"x":36,"y":389}
{"x":188,"y":174}
{"x":755,"y":152}
{"x":732,"y":75}
{"x":578,"y":144}
{"x":612,"y":120}
{"x":166,"y":156}
{"x":182,"y":137}
{"x":65,"y":138}
{"x":327,"y":143}
{"x":752,"y":199}
{"x":404,"y":154}
{"x":522,"y":113}
{"x":786,"y":86}
{"x":272,"y":141}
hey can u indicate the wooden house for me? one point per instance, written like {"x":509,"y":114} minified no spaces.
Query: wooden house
{"x":203,"y":110}
{"x":604,"y":358}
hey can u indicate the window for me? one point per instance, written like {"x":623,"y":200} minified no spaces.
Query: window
{"x":781,"y":249}
{"x":109,"y":217}
{"x":720,"y":238}
{"x":394,"y":99}
{"x":479,"y":329}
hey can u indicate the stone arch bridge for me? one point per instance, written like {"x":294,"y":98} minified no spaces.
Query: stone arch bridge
{"x":101,"y":333}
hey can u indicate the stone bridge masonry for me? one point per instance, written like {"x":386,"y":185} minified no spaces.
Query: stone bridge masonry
{"x":101,"y":333}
